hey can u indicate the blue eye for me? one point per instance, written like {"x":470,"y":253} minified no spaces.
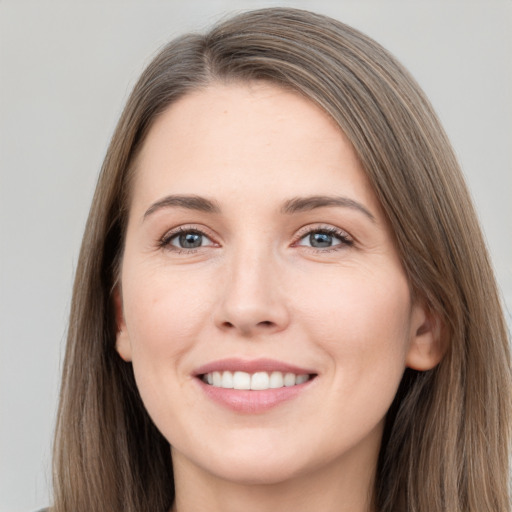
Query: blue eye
{"x":325,"y":239}
{"x":321,"y":240}
{"x":186,"y":239}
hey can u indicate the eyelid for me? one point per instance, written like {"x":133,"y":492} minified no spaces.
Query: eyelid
{"x":345,"y":238}
{"x":165,"y":241}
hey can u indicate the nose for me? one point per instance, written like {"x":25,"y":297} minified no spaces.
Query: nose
{"x":252,"y":300}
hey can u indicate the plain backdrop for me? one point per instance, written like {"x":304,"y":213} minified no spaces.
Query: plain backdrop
{"x":66,"y":69}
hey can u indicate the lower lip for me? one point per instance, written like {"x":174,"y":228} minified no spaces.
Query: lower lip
{"x":253,"y":402}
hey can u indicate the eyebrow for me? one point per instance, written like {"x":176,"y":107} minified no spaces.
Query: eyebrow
{"x":294,"y":205}
{"x":197,"y":203}
{"x":304,"y":204}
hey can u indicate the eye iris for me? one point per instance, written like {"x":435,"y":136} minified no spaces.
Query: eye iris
{"x":320,"y":240}
{"x":190,"y":240}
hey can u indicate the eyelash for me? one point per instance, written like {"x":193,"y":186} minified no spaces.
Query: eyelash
{"x":165,"y":241}
{"x":345,"y":239}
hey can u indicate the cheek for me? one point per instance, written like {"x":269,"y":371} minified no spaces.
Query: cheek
{"x":164,"y":314}
{"x":164,"y":318}
{"x":162,"y":306}
{"x":362,"y":319}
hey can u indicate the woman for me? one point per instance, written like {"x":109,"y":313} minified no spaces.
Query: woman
{"x":283,"y":298}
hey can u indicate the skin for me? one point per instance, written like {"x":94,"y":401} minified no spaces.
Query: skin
{"x":256,"y":288}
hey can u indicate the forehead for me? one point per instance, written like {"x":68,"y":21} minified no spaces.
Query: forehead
{"x":245,"y":138}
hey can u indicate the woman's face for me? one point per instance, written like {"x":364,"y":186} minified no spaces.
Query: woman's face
{"x":257,"y":255}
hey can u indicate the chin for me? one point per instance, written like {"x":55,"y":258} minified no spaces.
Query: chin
{"x":263,"y":472}
{"x":254,"y":463}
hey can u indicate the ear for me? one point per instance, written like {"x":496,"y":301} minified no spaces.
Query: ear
{"x":427,"y":346}
{"x":123,"y":344}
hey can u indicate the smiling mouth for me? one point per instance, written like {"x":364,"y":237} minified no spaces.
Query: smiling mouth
{"x":253,"y":386}
{"x":257,"y":381}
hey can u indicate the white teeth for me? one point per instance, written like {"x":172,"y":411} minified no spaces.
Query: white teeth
{"x":256,"y":381}
{"x":241,"y":380}
{"x":217,"y":379}
{"x":227,"y":380}
{"x":260,"y":380}
{"x":289,"y":379}
{"x":276,"y":380}
{"x":301,"y":378}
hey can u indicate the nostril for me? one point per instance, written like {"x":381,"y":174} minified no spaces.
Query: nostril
{"x":265,"y":324}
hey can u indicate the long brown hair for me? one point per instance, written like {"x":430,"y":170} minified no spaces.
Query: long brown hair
{"x":447,"y":435}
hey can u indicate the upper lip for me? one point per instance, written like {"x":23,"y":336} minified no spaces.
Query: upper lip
{"x":251,"y":366}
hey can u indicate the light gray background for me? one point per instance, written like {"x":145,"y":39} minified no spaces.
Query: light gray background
{"x":66,"y":69}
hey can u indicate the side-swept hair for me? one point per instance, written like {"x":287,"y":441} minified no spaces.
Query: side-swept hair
{"x":447,"y":434}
